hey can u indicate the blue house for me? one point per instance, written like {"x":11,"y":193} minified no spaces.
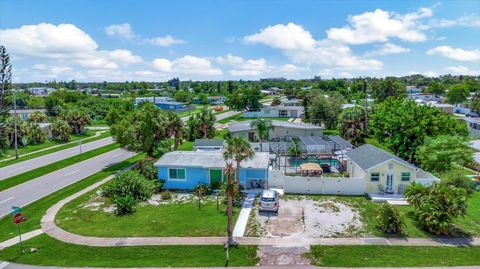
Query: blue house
{"x":186,"y":169}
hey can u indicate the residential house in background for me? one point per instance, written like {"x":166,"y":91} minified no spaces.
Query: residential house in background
{"x":272,"y":91}
{"x":280,"y":128}
{"x":24,"y":113}
{"x":446,"y":108}
{"x":276,"y":112}
{"x":184,"y":170}
{"x":208,"y":144}
{"x":40,"y":91}
{"x":292,"y":102}
{"x":214,"y":100}
{"x":164,"y":103}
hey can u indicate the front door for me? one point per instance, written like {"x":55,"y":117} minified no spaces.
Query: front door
{"x":389,"y":184}
{"x":251,"y":136}
{"x":215,"y":177}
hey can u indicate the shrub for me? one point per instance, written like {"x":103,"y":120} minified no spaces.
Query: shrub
{"x":146,"y":168}
{"x":437,"y":205}
{"x":124,"y":205}
{"x":166,"y":195}
{"x":458,"y":181}
{"x":389,"y":220}
{"x":130,"y":183}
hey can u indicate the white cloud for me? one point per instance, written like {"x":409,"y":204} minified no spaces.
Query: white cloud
{"x":242,"y":67}
{"x":123,"y":30}
{"x":299,"y":45}
{"x":430,"y":74}
{"x":388,"y":48}
{"x":462,"y":70}
{"x":380,"y":25}
{"x":187,"y":65}
{"x":63,"y":43}
{"x":46,"y":40}
{"x":467,"y":21}
{"x":255,"y":67}
{"x":165,"y":41}
{"x":280,"y":36}
{"x":455,"y":53}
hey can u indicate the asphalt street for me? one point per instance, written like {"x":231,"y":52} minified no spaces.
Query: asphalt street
{"x":35,"y":189}
{"x":25,"y":166}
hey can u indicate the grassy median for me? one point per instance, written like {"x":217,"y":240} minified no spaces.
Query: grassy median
{"x":51,"y":252}
{"x":37,"y":209}
{"x":55,"y":149}
{"x":393,"y":256}
{"x":32,"y":174}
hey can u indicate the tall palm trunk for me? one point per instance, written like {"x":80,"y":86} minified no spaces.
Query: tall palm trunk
{"x":238,"y":174}
{"x":230,"y":189}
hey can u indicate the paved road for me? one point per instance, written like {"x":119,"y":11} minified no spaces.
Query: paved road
{"x":25,"y":166}
{"x":35,"y":189}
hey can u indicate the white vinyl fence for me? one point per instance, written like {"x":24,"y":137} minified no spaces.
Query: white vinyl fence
{"x":317,"y":185}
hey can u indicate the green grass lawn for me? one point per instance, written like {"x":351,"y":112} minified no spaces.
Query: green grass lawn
{"x":36,"y":210}
{"x":48,"y":143}
{"x":59,"y":148}
{"x":239,"y":117}
{"x":99,"y":123}
{"x":230,"y":118}
{"x":32,"y":174}
{"x":175,"y":219}
{"x":394,"y":256}
{"x":52,"y":252}
{"x":468,"y":225}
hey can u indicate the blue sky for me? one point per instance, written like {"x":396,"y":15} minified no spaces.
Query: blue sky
{"x":217,"y":40}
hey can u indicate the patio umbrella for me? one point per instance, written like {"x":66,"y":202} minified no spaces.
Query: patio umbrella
{"x":310,"y":167}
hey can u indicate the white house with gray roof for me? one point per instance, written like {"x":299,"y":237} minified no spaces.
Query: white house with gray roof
{"x":276,"y":112}
{"x":280,"y":129}
{"x":383,"y":171}
{"x":208,"y":144}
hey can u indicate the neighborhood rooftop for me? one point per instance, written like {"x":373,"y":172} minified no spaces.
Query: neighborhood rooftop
{"x":209,"y":159}
{"x":245,"y":125}
{"x":209,"y":142}
{"x":368,"y":156}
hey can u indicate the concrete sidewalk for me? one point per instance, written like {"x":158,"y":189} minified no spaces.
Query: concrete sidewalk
{"x":242,"y":219}
{"x":49,"y":227}
{"x":15,"y":240}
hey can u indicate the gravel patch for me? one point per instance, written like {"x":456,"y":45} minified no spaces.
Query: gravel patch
{"x":306,"y":218}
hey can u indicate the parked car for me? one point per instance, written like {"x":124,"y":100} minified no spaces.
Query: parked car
{"x":218,"y":108}
{"x":269,"y":201}
{"x":472,"y":115}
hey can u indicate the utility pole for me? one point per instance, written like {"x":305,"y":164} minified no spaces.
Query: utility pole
{"x":366,"y":104}
{"x":15,"y":123}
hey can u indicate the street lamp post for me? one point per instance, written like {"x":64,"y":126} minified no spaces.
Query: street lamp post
{"x":15,"y":124}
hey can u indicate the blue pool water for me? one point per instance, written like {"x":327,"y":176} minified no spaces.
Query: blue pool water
{"x":332,"y":162}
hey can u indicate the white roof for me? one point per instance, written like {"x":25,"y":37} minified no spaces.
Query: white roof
{"x":209,"y":159}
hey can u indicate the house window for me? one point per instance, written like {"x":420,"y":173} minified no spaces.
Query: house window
{"x":375,"y":177}
{"x":405,"y":176}
{"x":282,"y":113}
{"x":178,"y":174}
{"x":390,"y":166}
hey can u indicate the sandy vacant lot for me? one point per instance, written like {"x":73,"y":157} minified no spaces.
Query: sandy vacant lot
{"x":306,"y":218}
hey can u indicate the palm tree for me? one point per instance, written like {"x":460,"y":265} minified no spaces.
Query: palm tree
{"x":61,"y":130}
{"x":352,"y":125}
{"x":37,"y":117}
{"x":206,"y":121}
{"x":239,"y":150}
{"x":77,"y":119}
{"x":230,"y":190}
{"x":36,"y":134}
{"x":175,"y":128}
{"x":263,"y":127}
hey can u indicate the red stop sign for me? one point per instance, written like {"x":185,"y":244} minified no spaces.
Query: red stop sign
{"x":18,"y":218}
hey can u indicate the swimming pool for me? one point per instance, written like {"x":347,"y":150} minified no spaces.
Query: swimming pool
{"x":332,"y":162}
